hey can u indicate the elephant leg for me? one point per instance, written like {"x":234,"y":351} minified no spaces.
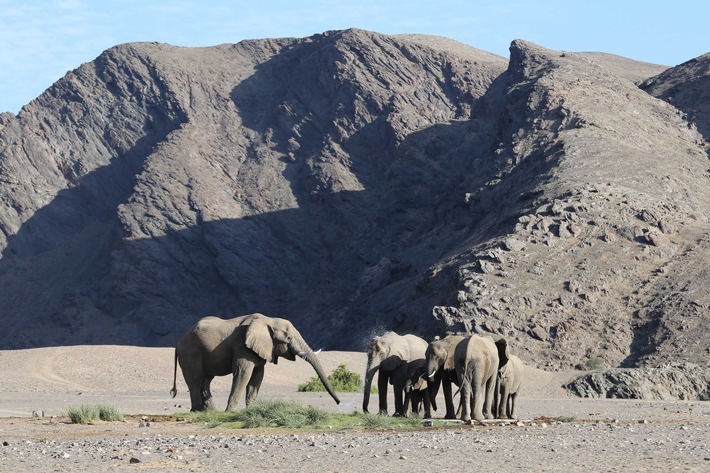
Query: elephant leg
{"x":478,"y":393}
{"x":416,"y":403}
{"x":489,"y":394}
{"x":503,"y":403}
{"x":206,"y":394}
{"x":398,"y":387}
{"x":513,"y":411}
{"x":195,"y":382}
{"x":449,"y":399}
{"x":254,"y":384}
{"x":427,"y":404}
{"x":465,"y":403}
{"x":240,"y":379}
{"x":408,"y":403}
{"x":382,"y":380}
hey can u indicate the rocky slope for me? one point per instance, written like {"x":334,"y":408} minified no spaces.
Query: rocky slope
{"x":355,"y":182}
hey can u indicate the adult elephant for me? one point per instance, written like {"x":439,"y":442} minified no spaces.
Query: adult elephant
{"x":441,"y":368}
{"x":241,"y":347}
{"x":476,"y":361}
{"x":390,"y":354}
{"x":510,"y":378}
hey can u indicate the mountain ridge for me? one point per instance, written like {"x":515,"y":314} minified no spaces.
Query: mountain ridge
{"x":355,"y":182}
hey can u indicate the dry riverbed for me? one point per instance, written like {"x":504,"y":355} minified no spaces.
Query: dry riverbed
{"x":557,"y":432}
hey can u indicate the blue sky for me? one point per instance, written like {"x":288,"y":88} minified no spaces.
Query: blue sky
{"x":41,"y":40}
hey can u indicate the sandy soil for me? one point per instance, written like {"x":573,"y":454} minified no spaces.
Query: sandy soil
{"x":557,"y":432}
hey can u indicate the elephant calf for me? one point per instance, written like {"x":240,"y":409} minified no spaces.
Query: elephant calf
{"x":510,"y":378}
{"x":417,"y":390}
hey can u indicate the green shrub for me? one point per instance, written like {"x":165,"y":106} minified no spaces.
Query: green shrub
{"x":109,"y":413}
{"x":596,"y":363}
{"x":87,"y":413}
{"x":261,"y":414}
{"x":342,"y":379}
{"x":83,"y":414}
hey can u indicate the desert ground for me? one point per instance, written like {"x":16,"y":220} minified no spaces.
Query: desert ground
{"x":556,"y":432}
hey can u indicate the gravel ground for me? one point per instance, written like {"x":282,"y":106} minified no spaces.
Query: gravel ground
{"x":556,"y":433}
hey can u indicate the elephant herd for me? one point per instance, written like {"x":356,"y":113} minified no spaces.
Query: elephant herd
{"x":488,"y":376}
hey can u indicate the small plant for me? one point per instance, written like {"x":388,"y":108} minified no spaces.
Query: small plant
{"x":566,"y":419}
{"x":596,"y":363}
{"x":83,"y":414}
{"x":87,"y":413}
{"x":342,"y":379}
{"x":289,"y":415}
{"x":109,"y":413}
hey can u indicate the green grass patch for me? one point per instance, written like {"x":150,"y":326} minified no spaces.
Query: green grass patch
{"x":566,"y":420}
{"x":595,"y":364}
{"x":86,"y":413}
{"x":268,"y":414}
{"x":342,"y":379}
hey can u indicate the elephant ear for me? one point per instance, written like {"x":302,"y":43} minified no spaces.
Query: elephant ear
{"x":450,"y":361}
{"x":258,"y":339}
{"x":503,"y":351}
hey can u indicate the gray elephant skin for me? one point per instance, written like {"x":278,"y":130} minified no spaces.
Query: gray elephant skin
{"x":441,"y":369}
{"x":241,"y":347}
{"x":476,"y":363}
{"x":475,"y":360}
{"x":417,"y":390}
{"x":510,"y":379}
{"x":390,"y":355}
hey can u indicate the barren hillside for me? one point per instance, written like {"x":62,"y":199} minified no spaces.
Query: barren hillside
{"x":355,"y":182}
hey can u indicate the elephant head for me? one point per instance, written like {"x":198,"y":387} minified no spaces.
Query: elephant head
{"x":439,"y":355}
{"x":377,"y":353}
{"x":503,"y":352}
{"x":271,"y":338}
{"x":416,"y":376}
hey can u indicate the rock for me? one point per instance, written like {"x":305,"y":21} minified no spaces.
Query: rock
{"x":684,"y":381}
{"x":539,"y":333}
{"x":512,"y":244}
{"x":657,"y":238}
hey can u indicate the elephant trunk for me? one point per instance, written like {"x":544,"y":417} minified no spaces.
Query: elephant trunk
{"x":369,"y":374}
{"x":301,"y":348}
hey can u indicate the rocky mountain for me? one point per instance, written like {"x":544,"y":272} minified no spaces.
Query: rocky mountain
{"x":355,"y":182}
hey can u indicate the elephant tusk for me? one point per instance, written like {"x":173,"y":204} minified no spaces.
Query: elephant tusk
{"x":431,"y":375}
{"x":304,"y":353}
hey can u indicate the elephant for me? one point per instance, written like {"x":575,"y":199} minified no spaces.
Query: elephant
{"x":510,"y":378}
{"x":241,"y":347}
{"x":390,"y":354}
{"x":417,"y":390}
{"x":476,"y":362}
{"x":440,"y":369}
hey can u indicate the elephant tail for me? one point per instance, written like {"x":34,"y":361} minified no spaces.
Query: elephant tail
{"x":173,"y":392}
